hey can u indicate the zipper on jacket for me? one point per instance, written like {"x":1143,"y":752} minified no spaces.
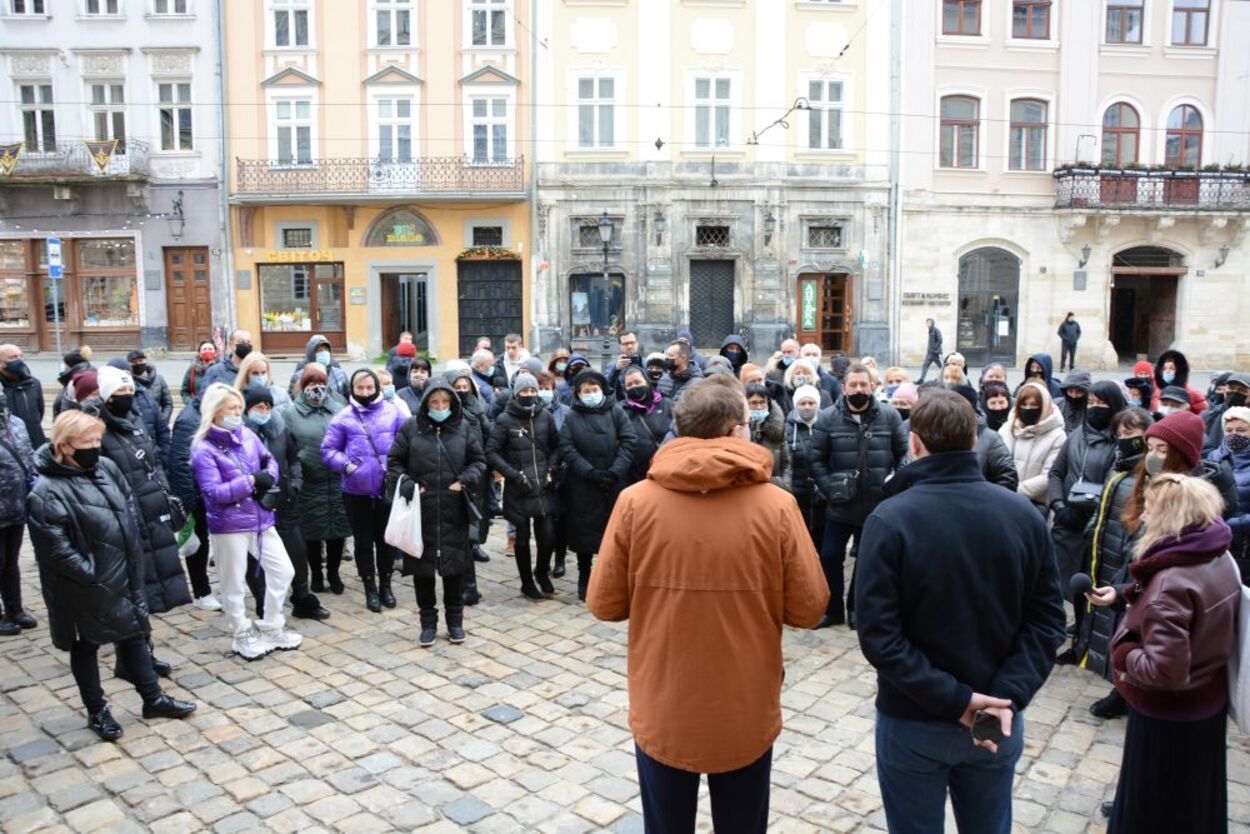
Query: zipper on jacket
{"x":534,"y":460}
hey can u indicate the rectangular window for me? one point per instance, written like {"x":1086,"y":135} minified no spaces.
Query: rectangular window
{"x":290,"y":23}
{"x":301,"y":297}
{"x":961,"y":124}
{"x":711,"y":236}
{"x":101,"y":6}
{"x":824,"y":236}
{"x":175,"y":116}
{"x":293,"y":126}
{"x":107,"y":285}
{"x":28,"y":6}
{"x":1030,"y":19}
{"x":108,"y":113}
{"x":15,"y":302}
{"x":488,"y":22}
{"x":490,"y":129}
{"x":298,"y":238}
{"x":596,"y":112}
{"x":824,"y":119}
{"x":488,"y":235}
{"x":1027,"y":146}
{"x":38,"y":118}
{"x":711,"y":112}
{"x":1124,"y":21}
{"x":395,"y":129}
{"x":961,"y":17}
{"x":170,"y":7}
{"x":1190,"y":19}
{"x":394,"y":22}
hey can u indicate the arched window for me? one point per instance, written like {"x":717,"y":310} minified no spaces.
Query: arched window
{"x":1184,"y":139}
{"x":1027,"y":150}
{"x":989,"y":290}
{"x":1121,"y":132}
{"x":961,"y":124}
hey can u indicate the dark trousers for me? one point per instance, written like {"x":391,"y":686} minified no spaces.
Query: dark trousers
{"x":333,"y":555}
{"x":427,"y":599}
{"x":812,"y":506}
{"x":133,"y":654}
{"x":929,"y":359}
{"x":10,"y":570}
{"x":1067,"y":353}
{"x":197,"y":562}
{"x":560,"y":537}
{"x":918,"y":762}
{"x":544,"y":534}
{"x":832,"y":558}
{"x":368,"y":516}
{"x":670,"y":797}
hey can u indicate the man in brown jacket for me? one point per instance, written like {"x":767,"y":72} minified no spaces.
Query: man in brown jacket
{"x":707,"y":560}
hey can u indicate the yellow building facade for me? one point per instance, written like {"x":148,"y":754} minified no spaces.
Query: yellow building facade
{"x":379,"y":179}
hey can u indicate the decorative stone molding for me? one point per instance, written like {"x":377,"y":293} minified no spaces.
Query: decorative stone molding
{"x":1106,"y":225}
{"x":1158,"y":229}
{"x":30,"y":66}
{"x":1069,"y":226}
{"x":110,"y":64}
{"x":171,"y":63}
{"x":1210,"y":229}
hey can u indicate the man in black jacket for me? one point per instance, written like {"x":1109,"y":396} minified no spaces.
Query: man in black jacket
{"x":24,"y":393}
{"x":956,"y":620}
{"x":857,"y":445}
{"x":1069,"y":335}
{"x":933,"y":352}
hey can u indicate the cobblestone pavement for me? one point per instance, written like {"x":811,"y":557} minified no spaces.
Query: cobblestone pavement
{"x":522,"y":728}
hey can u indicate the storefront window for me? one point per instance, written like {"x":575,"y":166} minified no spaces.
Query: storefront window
{"x":109,"y":253}
{"x":14,"y":305}
{"x":301,"y":298}
{"x":13,"y":255}
{"x":597,"y":304}
{"x":108,"y":289}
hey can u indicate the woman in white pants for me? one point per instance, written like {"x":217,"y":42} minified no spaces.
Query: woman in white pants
{"x":234,"y":473}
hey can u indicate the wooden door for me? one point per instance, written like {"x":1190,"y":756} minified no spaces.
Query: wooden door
{"x":824,"y":315}
{"x":188,"y":294}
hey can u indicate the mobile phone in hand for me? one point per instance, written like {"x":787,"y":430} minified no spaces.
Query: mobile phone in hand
{"x":987,"y":727}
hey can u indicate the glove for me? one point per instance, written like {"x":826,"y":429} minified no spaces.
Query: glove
{"x":1067,"y":517}
{"x":408,"y":489}
{"x":523,"y":483}
{"x":263,"y":480}
{"x":604,"y":478}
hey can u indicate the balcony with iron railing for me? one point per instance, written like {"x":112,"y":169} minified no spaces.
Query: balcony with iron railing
{"x":356,"y":179}
{"x":73,"y":163}
{"x":1152,"y":189}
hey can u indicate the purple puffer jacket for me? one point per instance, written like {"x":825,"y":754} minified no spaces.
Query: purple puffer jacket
{"x":347,"y":441}
{"x":223,"y":463}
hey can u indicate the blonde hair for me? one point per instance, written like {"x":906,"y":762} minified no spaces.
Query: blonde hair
{"x":895,"y":369}
{"x":215,"y":398}
{"x":245,"y":370}
{"x":383,"y":372}
{"x":1175,"y":503}
{"x":70,"y":425}
{"x":801,"y":366}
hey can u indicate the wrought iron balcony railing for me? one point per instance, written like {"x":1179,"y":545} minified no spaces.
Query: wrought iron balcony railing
{"x":1115,"y":189}
{"x":72,"y":162}
{"x":436,"y":175}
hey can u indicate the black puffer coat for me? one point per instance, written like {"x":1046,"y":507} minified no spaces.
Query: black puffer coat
{"x":477,"y":421}
{"x":277,"y":439}
{"x":835,"y":448}
{"x":25,"y":398}
{"x":1087,"y":456}
{"x":436,"y":455}
{"x":650,"y":428}
{"x":997,"y":464}
{"x":525,"y":443}
{"x":90,"y":552}
{"x":593,"y":440}
{"x":799,"y":438}
{"x":127,"y":444}
{"x":181,"y":478}
{"x":320,"y":500}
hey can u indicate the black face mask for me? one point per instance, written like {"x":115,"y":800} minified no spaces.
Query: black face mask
{"x":638,"y":393}
{"x":1034,"y":373}
{"x":87,"y":458}
{"x":17,"y":369}
{"x":527,"y":400}
{"x":119,"y":405}
{"x":995,"y":417}
{"x":1130,"y":447}
{"x":366,"y":399}
{"x":655,"y":374}
{"x":858,"y":402}
{"x":1029,"y":416}
{"x":1098,"y":417}
{"x":1075,"y":402}
{"x":905,"y":413}
{"x":1235,"y":399}
{"x":140,"y":370}
{"x":242,"y":349}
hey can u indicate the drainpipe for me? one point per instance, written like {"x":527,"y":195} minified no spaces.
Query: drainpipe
{"x":223,"y":203}
{"x":896,"y":271}
{"x":532,"y":187}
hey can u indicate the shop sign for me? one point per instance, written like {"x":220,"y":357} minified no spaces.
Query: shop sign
{"x":926,"y":299}
{"x":357,"y":296}
{"x":809,"y":306}
{"x":401,"y":227}
{"x":299,"y":256}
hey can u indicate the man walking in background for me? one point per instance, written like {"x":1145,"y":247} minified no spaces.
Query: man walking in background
{"x":933,"y":353}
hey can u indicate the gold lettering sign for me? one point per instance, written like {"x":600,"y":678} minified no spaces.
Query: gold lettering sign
{"x":299,"y":256}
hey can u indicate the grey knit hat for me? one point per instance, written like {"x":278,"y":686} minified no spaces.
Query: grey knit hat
{"x":522,"y":380}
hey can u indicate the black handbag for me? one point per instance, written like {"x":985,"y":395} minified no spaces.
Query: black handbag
{"x":843,"y":487}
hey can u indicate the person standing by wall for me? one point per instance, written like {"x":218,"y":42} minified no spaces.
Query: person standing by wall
{"x":1069,"y":335}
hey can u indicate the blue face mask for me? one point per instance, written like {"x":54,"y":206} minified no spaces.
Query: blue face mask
{"x":257,"y":382}
{"x":759,"y":415}
{"x":322,"y":357}
{"x":546,"y":395}
{"x":593,"y":400}
{"x":1169,"y":376}
{"x":439,"y":415}
{"x":258,"y":418}
{"x":231,"y":422}
{"x":388,"y":392}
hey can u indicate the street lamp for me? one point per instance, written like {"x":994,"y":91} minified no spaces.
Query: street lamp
{"x":660,"y":225}
{"x":605,"y":237}
{"x":177,"y":222}
{"x":1085,"y":253}
{"x":770,"y":226}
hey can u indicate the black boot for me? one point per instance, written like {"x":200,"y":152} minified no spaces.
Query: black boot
{"x":583,"y":575}
{"x":372,"y":601}
{"x":542,"y":573}
{"x":429,"y":628}
{"x":469,"y":591}
{"x":558,"y":570}
{"x":385,"y":594}
{"x":104,"y":725}
{"x":316,"y":578}
{"x":480,"y":555}
{"x":306,"y":606}
{"x":1111,"y":705}
{"x":167,"y":707}
{"x":526,"y":571}
{"x":333,"y":580}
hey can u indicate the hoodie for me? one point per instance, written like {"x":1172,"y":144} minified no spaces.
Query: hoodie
{"x":1074,"y":411}
{"x":1048,"y":367}
{"x":1197,"y":400}
{"x":336,"y":377}
{"x":743,"y":355}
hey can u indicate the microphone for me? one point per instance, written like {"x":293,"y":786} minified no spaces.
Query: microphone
{"x":1080,"y":584}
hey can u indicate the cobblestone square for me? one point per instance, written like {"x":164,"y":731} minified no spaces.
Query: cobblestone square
{"x":522,"y":728}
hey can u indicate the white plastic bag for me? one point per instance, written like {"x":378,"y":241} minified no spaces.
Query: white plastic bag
{"x":1239,"y":667}
{"x":403,"y":528}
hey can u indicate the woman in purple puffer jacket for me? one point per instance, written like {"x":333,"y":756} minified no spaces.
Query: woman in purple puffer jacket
{"x":356,"y":443}
{"x":233,"y":472}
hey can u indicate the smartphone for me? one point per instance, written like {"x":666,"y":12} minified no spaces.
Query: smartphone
{"x":987,"y":727}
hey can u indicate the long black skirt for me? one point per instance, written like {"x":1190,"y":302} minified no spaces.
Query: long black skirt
{"x":1173,"y":777}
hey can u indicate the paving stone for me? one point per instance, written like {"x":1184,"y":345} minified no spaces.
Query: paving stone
{"x":310,"y":719}
{"x":467,"y":810}
{"x":503,"y":714}
{"x":34,"y":750}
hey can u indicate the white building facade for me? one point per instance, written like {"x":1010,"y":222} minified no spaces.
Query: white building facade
{"x":1076,"y":155}
{"x":110,"y":140}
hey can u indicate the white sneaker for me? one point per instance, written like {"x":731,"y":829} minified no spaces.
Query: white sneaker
{"x":207,"y":603}
{"x":249,"y":645}
{"x":280,"y":639}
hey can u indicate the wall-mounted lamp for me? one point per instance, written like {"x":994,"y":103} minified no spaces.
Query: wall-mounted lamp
{"x":605,"y":237}
{"x":661,"y":224}
{"x":177,"y":222}
{"x":1085,"y":253}
{"x":770,"y":226}
{"x":1223,"y":256}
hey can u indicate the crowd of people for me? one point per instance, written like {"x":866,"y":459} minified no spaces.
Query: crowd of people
{"x":270,"y":478}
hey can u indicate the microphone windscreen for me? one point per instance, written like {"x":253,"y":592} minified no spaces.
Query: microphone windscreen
{"x":1080,"y":584}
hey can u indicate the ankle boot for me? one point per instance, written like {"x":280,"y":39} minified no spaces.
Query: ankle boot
{"x":526,"y":571}
{"x":583,"y":575}
{"x":558,"y":570}
{"x":385,"y":594}
{"x":317,"y":580}
{"x":542,"y":574}
{"x":372,"y":601}
{"x":333,"y":580}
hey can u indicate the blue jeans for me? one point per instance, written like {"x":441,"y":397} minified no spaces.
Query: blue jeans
{"x":919,"y":761}
{"x":670,"y":797}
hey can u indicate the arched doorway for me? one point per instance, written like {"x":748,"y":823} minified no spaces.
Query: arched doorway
{"x":989,"y":290}
{"x":1143,"y":300}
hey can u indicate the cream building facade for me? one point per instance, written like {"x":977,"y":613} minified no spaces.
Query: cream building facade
{"x":1076,"y":155}
{"x":654,"y":135}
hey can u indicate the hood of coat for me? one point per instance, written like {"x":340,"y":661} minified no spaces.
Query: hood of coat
{"x":423,"y":413}
{"x":1048,"y":365}
{"x":1182,"y":369}
{"x":1077,"y":379}
{"x":743,"y":355}
{"x":310,"y":349}
{"x":591,"y":376}
{"x":571,"y":369}
{"x":690,"y":464}
{"x":1050,"y":419}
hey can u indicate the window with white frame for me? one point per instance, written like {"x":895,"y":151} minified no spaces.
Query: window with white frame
{"x":38,"y":117}
{"x":101,"y":7}
{"x":711,"y":112}
{"x":960,"y":132}
{"x":1124,"y":21}
{"x":165,"y":7}
{"x":392,"y":22}
{"x":489,"y":128}
{"x":488,"y":22}
{"x":107,"y":108}
{"x":596,"y":112}
{"x":290,"y":22}
{"x":1026,"y":150}
{"x":824,"y":118}
{"x":27,"y":7}
{"x":174,"y":104}
{"x":394,"y":119}
{"x":293,"y":130}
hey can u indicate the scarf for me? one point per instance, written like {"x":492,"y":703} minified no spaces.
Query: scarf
{"x":1195,"y":546}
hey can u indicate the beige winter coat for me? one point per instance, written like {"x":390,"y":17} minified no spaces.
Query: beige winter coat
{"x":1035,"y":447}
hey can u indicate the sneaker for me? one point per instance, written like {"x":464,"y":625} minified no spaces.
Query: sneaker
{"x":249,"y":646}
{"x":428,"y":635}
{"x":168,"y":707}
{"x":207,"y":603}
{"x":104,"y":725}
{"x":280,"y":639}
{"x":456,"y":633}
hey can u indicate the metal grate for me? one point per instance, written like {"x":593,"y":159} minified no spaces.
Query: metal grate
{"x":824,"y":237}
{"x":488,"y":235}
{"x":297,"y":238}
{"x":711,"y":301}
{"x":711,"y":236}
{"x":588,"y":236}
